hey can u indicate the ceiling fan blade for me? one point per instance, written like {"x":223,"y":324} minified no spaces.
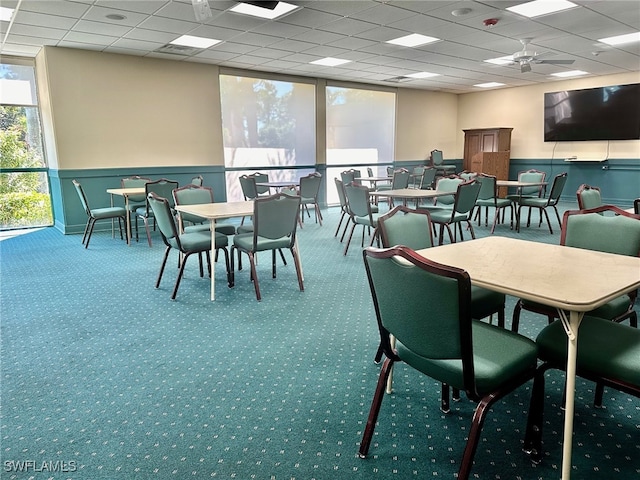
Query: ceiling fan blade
{"x":556,"y":62}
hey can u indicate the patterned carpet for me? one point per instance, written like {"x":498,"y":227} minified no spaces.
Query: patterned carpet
{"x":104,"y":377}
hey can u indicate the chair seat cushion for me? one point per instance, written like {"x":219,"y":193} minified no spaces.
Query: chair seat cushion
{"x":499,"y":355}
{"x":200,"y":241}
{"x":225,"y":229}
{"x":444,"y":216}
{"x":244,"y":241}
{"x":365,"y":220}
{"x":108,"y":212}
{"x":485,"y":302}
{"x":533,"y":202}
{"x":605,"y":348}
{"x":490,"y":202}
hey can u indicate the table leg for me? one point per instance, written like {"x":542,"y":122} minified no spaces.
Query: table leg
{"x":571,"y":326}
{"x":212,"y":227}
{"x":113,"y":230}
{"x":126,"y":208}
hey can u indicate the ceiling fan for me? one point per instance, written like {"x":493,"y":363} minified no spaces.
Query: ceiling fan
{"x":526,"y":57}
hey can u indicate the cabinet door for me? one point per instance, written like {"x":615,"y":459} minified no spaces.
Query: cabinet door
{"x":472,"y":145}
{"x":489,"y":141}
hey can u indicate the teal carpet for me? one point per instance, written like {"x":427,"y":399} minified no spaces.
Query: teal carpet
{"x":103,"y":377}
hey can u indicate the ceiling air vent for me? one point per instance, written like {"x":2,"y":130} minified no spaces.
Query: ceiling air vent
{"x":398,"y":79}
{"x":178,"y":49}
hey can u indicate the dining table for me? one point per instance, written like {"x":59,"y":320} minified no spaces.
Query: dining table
{"x":126,"y":193}
{"x":213,"y":212}
{"x":518,"y":185}
{"x":549,"y":274}
{"x":405,"y":194}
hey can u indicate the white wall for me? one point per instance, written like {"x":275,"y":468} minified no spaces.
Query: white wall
{"x":523,"y":109}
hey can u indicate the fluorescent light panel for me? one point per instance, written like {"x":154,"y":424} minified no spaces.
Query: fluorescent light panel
{"x":422,"y":75}
{"x":489,"y":85}
{"x":570,"y":73}
{"x":621,"y":39}
{"x":541,"y":7}
{"x":413,"y":40}
{"x":281,"y":9}
{"x":196,"y":42}
{"x":5,"y":14}
{"x":330,"y":62}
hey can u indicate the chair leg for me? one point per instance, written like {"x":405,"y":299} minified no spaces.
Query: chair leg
{"x":93,"y":222}
{"x":146,"y":226}
{"x":375,"y":408}
{"x":533,"y":435}
{"x":273,"y":263}
{"x":346,"y":248}
{"x":180,"y":273}
{"x":379,"y":353}
{"x":597,"y":400}
{"x":515,"y":319}
{"x":164,"y":263}
{"x":339,"y":224}
{"x":546,"y":215}
{"x":296,"y":261}
{"x":86,"y":229}
{"x":444,"y":399}
{"x":254,"y":275}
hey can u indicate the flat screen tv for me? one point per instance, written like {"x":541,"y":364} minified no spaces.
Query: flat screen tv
{"x":603,"y":113}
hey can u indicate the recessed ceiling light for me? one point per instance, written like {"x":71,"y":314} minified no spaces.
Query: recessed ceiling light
{"x":570,"y":73}
{"x":413,"y":40}
{"x":115,"y":16}
{"x":196,"y":42}
{"x":501,"y":60}
{"x":489,"y":85}
{"x":459,"y":12}
{"x":541,"y":7}
{"x":422,"y":75}
{"x":330,"y":62}
{"x":620,"y":39}
{"x":281,"y":9}
{"x":6,"y":13}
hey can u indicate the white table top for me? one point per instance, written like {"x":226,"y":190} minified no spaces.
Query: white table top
{"x":411,"y":193}
{"x":214,"y":211}
{"x":284,"y":183}
{"x":544,"y":273}
{"x":123,"y":192}
{"x":518,"y":183}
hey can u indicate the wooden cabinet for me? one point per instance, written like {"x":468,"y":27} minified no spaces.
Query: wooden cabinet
{"x":492,"y":163}
{"x":485,"y":140}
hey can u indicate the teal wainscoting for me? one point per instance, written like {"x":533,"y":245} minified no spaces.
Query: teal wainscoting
{"x":70,"y":218}
{"x":618,"y":179}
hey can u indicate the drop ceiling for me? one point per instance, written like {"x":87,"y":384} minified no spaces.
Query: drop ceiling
{"x":355,"y":30}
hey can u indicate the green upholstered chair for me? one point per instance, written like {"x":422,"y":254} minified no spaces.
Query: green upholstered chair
{"x":275,"y":219}
{"x":588,"y":197}
{"x":360,"y":212}
{"x":261,"y":178}
{"x":590,"y":229}
{"x":636,"y":206}
{"x":185,"y":243}
{"x":193,"y":194}
{"x":428,"y":178}
{"x":608,"y":354}
{"x":444,"y":184}
{"x":426,"y":307}
{"x":437,"y":161}
{"x":416,"y":176}
{"x":344,"y":211}
{"x":530,"y":176}
{"x":488,"y":198}
{"x":134,"y":202}
{"x":399,"y":179}
{"x":162,"y":188}
{"x":412,"y":228}
{"x":465,"y":201}
{"x":349,"y":176}
{"x":95,"y":214}
{"x":466,"y":175}
{"x":542,"y":203}
{"x":309,"y":191}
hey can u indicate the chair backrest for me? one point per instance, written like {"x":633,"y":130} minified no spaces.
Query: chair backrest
{"x":532,"y":176}
{"x":349,"y":176}
{"x":370,"y":171}
{"x":400,"y":179}
{"x":135,"y":182}
{"x":276,"y":217}
{"x":636,"y":206}
{"x":197,"y":180}
{"x":83,"y":197}
{"x":261,"y":178}
{"x":390,"y":170}
{"x":342,"y":197}
{"x":436,"y":158}
{"x":448,"y":184}
{"x":589,"y":229}
{"x":428,"y":177}
{"x":559,"y":181}
{"x":588,"y":196}
{"x":466,"y":197}
{"x":248,"y":186}
{"x":310,"y":185}
{"x":406,"y":226}
{"x":358,"y":200}
{"x":467,"y":175}
{"x":488,"y":188}
{"x":192,"y":195}
{"x":405,"y":285}
{"x":164,"y":220}
{"x":163,"y":188}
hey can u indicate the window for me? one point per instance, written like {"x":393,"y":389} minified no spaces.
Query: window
{"x":268,"y":126}
{"x":360,"y":132}
{"x":24,"y":184}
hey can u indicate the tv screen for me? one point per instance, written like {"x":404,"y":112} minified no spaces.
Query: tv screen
{"x":603,"y":113}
